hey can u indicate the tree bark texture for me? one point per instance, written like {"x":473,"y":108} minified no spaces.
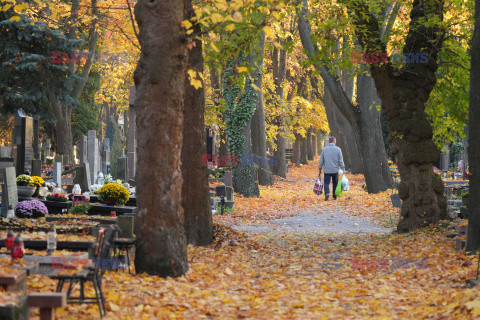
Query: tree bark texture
{"x":473,"y":233}
{"x":404,"y":93}
{"x":259,"y":135}
{"x":160,"y":81}
{"x":195,"y":192}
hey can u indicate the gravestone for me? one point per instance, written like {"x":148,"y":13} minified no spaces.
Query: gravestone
{"x":5,"y":163}
{"x":228,"y":179}
{"x":116,"y":145}
{"x":106,"y":157}
{"x":82,"y":177}
{"x":23,"y":142}
{"x":59,"y":158}
{"x":9,"y":190}
{"x":36,"y":138}
{"x":82,"y":148}
{"x":131,"y":143}
{"x":122,"y":172}
{"x":93,"y":154}
{"x":57,"y":173}
{"x":5,"y":152}
{"x":37,"y":167}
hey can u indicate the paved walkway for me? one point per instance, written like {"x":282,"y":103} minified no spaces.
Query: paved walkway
{"x":319,"y":222}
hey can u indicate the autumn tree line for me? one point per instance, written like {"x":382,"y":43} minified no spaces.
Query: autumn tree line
{"x":265,"y":73}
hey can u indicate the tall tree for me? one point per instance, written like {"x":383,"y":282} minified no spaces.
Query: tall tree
{"x":473,"y":233}
{"x":195,"y":191}
{"x":258,"y":132}
{"x":62,"y":109}
{"x":160,"y":81}
{"x":377,"y":175}
{"x":279,"y":62}
{"x":404,"y":92}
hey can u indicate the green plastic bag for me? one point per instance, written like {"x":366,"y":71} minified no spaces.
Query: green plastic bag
{"x":339,"y":189}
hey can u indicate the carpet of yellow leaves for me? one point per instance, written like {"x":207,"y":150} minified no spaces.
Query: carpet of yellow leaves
{"x":299,"y":276}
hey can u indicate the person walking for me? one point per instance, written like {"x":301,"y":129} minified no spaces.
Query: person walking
{"x":331,"y":160}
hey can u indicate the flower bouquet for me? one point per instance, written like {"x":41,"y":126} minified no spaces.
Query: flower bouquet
{"x":60,"y":197}
{"x":113,"y":194}
{"x":30,"y":209}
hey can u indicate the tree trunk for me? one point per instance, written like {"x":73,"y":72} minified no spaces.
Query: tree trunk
{"x":160,"y":81}
{"x":404,"y":93}
{"x":279,"y":61}
{"x":473,"y":233}
{"x":259,"y":137}
{"x":244,"y":174}
{"x":296,"y":150}
{"x":320,"y":139}
{"x":303,"y":151}
{"x":309,"y":144}
{"x":215,"y":82}
{"x":195,"y":192}
{"x":314,"y":144}
{"x":342,"y":130}
{"x":63,"y":130}
{"x":372,"y":147}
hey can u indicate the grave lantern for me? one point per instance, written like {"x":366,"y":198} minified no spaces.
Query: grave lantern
{"x":51,"y":239}
{"x":18,"y":250}
{"x":10,"y":239}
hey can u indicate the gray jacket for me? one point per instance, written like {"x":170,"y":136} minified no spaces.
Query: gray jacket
{"x":331,"y":159}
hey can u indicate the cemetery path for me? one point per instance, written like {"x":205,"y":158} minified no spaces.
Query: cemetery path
{"x":320,"y":222}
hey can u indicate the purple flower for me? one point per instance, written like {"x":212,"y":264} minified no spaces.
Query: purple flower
{"x":30,"y":209}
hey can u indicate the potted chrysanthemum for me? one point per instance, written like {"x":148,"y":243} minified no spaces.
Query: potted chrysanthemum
{"x":25,"y":186}
{"x":113,"y":194}
{"x":30,"y":209}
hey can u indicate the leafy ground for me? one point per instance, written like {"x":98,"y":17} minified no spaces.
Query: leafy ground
{"x":300,"y":275}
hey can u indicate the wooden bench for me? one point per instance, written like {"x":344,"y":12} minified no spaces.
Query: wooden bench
{"x":47,"y":302}
{"x":289,"y":156}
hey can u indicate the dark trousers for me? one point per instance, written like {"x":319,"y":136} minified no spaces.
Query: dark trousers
{"x":334,"y":178}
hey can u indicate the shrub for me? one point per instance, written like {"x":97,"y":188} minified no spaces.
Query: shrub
{"x":24,"y":180}
{"x":465,"y":195}
{"x":113,"y":193}
{"x":30,"y":209}
{"x":37,"y":181}
{"x":79,"y":206}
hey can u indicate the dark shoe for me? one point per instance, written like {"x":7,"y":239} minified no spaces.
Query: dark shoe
{"x":326,"y":197}
{"x":334,"y":197}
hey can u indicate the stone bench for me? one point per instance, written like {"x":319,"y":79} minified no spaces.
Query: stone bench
{"x":47,"y":302}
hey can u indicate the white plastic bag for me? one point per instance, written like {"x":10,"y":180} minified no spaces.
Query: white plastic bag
{"x":345,"y":186}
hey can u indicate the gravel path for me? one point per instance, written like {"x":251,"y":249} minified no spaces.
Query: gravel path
{"x":317,"y":221}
